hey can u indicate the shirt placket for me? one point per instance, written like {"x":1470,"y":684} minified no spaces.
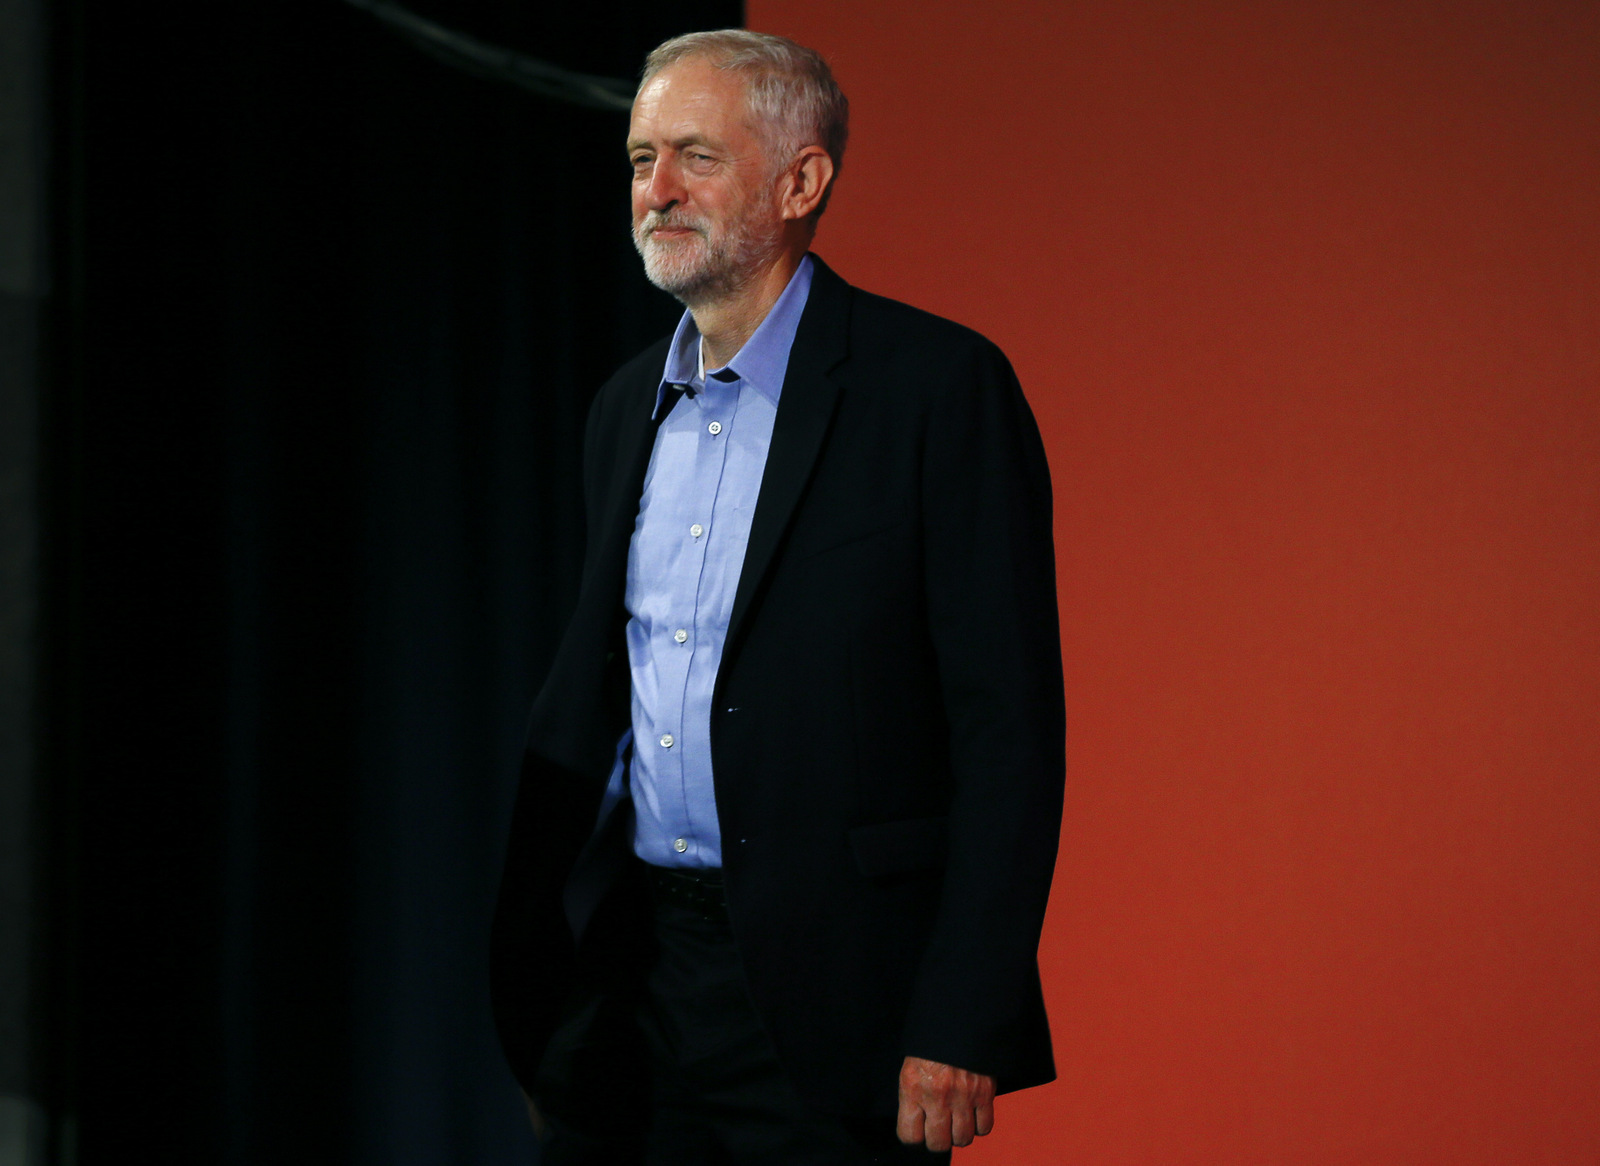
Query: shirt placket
{"x":717,"y":410}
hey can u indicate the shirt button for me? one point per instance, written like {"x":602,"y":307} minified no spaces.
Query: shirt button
{"x":679,"y":845}
{"x":666,"y":740}
{"x":697,"y":530}
{"x":714,"y":428}
{"x":680,"y":635}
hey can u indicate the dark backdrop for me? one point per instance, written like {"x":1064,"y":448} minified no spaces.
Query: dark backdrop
{"x":329,"y":316}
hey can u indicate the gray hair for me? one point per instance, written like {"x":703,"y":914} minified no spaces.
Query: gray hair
{"x":790,"y":92}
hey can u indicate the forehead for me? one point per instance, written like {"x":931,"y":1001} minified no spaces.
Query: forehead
{"x":692,"y":99}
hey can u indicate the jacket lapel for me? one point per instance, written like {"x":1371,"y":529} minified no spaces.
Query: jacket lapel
{"x":635,"y":441}
{"x":587,"y":662}
{"x":805,"y":410}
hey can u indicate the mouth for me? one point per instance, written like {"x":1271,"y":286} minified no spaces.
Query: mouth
{"x":668,"y":231}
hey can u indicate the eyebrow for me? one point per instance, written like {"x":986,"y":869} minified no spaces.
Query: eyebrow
{"x":676,"y":143}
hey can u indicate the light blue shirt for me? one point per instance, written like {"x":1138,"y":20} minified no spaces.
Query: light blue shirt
{"x":683,"y":570}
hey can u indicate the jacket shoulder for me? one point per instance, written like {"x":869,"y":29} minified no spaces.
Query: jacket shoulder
{"x":878,"y":317}
{"x":882,"y":327}
{"x":906,"y":350}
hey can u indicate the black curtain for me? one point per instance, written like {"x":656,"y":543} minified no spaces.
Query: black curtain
{"x":329,"y":315}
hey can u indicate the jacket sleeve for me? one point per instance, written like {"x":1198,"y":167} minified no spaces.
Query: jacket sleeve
{"x":991,"y":602}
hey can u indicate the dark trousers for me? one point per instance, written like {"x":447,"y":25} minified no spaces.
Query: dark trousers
{"x":717,"y":1093}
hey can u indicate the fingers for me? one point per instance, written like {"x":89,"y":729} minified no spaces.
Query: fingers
{"x":961,"y":1125}
{"x":985,"y":1116}
{"x":942,"y":1106}
{"x":914,"y":1127}
{"x":910,"y":1125}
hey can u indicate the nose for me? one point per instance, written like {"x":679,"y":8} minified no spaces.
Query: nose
{"x":663,"y":189}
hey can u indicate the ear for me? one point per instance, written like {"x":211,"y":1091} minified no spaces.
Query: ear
{"x":805,"y":182}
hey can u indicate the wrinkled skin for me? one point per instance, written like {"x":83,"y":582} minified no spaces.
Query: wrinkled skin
{"x":942,"y":1106}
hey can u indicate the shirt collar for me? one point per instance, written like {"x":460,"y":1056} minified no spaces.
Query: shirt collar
{"x":763,"y":360}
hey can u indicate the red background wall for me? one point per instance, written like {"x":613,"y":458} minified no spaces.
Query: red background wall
{"x":1307,"y":301}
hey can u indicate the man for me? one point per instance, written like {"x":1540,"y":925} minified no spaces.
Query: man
{"x":792,"y":790}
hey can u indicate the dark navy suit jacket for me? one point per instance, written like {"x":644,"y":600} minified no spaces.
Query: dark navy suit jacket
{"x":887,"y":734}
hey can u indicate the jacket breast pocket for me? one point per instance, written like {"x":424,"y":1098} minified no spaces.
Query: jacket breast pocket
{"x":822,"y":541}
{"x":900,"y":847}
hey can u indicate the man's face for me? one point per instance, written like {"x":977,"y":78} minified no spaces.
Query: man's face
{"x":705,"y":212}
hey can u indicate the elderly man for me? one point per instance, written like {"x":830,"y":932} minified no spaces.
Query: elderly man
{"x":792,"y":790}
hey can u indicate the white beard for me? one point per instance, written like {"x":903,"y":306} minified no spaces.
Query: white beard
{"x":712,"y":262}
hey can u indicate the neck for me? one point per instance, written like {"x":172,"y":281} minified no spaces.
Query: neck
{"x":726,"y":321}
